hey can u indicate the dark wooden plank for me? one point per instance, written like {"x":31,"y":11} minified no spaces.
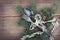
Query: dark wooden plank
{"x":26,"y":1}
{"x":10,"y":30}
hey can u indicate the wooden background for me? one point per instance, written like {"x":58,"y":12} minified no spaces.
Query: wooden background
{"x":9,"y":29}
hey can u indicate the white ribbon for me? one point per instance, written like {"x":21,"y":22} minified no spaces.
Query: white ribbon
{"x":32,"y":35}
{"x":55,"y":24}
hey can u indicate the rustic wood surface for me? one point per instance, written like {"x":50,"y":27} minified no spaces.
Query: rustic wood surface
{"x":9,"y":29}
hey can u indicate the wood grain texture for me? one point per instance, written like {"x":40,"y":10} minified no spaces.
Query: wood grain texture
{"x":9,"y":29}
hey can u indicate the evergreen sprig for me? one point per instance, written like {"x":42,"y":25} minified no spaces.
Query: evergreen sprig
{"x":20,"y":9}
{"x":46,"y":11}
{"x":33,"y":7}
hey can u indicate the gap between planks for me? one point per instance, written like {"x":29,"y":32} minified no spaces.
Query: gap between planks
{"x":20,"y":16}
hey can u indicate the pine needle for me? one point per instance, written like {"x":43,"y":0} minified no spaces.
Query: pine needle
{"x":19,"y":9}
{"x":33,"y":7}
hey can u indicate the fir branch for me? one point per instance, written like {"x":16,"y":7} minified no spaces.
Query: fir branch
{"x":19,"y":9}
{"x":26,"y":24}
{"x":44,"y":36}
{"x":22,"y":22}
{"x":47,"y":12}
{"x":54,"y":6}
{"x":33,"y":7}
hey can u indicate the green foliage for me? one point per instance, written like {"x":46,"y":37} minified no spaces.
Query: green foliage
{"x":47,"y":11}
{"x":22,"y":22}
{"x":33,"y":7}
{"x":20,"y":9}
{"x":54,"y":6}
{"x":26,"y":24}
{"x":48,"y":24}
{"x":44,"y":36}
{"x":28,"y":31}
